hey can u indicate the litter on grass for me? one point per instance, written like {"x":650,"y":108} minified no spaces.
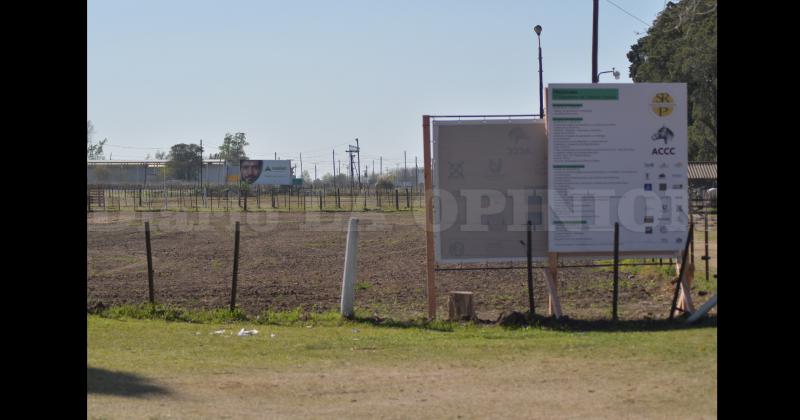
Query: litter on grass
{"x":244,"y":332}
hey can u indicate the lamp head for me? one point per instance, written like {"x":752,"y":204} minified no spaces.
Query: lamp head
{"x":537,"y":29}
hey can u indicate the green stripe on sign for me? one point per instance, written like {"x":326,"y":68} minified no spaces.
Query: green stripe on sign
{"x":567,"y":105}
{"x":569,"y":222}
{"x":585,"y":94}
{"x":567,"y":119}
{"x":568,"y":166}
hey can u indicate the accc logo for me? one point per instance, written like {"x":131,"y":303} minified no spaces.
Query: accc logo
{"x":663,"y":151}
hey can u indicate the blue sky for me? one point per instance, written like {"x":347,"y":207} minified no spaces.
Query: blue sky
{"x":310,"y":76}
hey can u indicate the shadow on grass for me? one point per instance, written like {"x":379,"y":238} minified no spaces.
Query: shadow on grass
{"x":517,"y":320}
{"x":419,"y":323}
{"x":606,"y":325}
{"x":101,"y":381}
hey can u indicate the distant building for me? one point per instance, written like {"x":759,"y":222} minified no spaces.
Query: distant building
{"x":702,"y":176}
{"x":151,"y":172}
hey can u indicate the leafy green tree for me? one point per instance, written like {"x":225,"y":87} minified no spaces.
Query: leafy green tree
{"x":329,"y":181}
{"x":385,"y":182}
{"x":232,"y":149}
{"x":93,"y":151}
{"x":184,"y":161}
{"x":681,"y":46}
{"x":89,"y":131}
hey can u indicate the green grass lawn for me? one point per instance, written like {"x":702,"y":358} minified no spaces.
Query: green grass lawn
{"x":659,"y":371}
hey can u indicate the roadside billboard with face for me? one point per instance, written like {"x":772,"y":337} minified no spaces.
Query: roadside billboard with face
{"x":266,"y":172}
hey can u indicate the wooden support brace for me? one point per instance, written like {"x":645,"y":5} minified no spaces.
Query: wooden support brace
{"x":685,"y":304}
{"x":551,"y":277}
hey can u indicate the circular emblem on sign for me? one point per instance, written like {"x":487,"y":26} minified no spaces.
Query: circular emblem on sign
{"x":662,"y":104}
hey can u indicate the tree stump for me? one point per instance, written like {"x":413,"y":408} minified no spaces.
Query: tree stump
{"x":460,"y":306}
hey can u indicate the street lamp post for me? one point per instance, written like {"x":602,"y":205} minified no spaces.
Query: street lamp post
{"x":612,"y":71}
{"x":538,"y":30}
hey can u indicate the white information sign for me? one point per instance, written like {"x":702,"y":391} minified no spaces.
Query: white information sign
{"x":617,"y":153}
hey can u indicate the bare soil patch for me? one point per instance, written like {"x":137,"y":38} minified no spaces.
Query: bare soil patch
{"x":291,"y":260}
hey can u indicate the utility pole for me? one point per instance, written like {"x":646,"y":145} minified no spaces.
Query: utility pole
{"x":416,"y":174}
{"x":301,"y":165}
{"x":381,"y":172}
{"x":358,"y":153}
{"x":350,"y":152}
{"x":595,"y":77}
{"x":334,"y":167}
{"x":373,"y":168}
{"x":405,"y":169}
{"x":355,"y":171}
{"x":201,"y":162}
{"x":276,"y":155}
{"x":315,"y":172}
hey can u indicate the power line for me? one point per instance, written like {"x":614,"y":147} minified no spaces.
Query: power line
{"x":629,"y":13}
{"x":133,"y":147}
{"x":257,"y":152}
{"x":311,"y":152}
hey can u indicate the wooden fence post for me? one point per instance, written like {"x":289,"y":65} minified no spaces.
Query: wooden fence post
{"x":235,"y":268}
{"x":529,"y":248}
{"x":150,"y":287}
{"x":616,"y":273}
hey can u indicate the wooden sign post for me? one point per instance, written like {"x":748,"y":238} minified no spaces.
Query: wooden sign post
{"x":431,"y":278}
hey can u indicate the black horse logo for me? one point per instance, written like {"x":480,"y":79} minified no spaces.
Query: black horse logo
{"x":663,"y":133}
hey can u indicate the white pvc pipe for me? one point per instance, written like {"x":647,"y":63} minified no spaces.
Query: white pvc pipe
{"x":703,"y":309}
{"x":350,"y":265}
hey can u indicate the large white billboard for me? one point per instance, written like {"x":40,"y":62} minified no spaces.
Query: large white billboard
{"x":617,"y":153}
{"x":266,"y":172}
{"x":489,"y":179}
